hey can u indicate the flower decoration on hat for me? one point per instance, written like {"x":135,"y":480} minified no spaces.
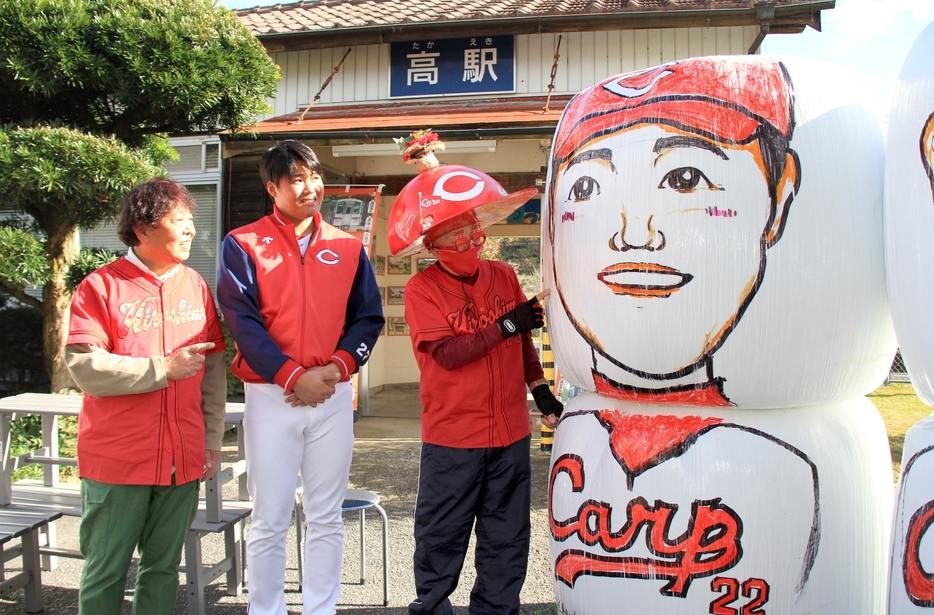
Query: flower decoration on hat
{"x":443,"y":198}
{"x":419,"y":146}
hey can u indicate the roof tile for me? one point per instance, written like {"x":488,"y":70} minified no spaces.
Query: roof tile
{"x":314,"y":15}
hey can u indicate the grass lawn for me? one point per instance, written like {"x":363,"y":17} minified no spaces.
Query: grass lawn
{"x":900,"y":409}
{"x":897,"y":403}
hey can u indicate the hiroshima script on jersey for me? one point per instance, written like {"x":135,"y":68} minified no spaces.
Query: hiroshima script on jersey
{"x":656,"y":502}
{"x":143,"y":314}
{"x":469,"y":318}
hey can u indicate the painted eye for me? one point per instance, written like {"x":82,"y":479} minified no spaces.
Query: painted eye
{"x":584,"y":188}
{"x":686,"y":180}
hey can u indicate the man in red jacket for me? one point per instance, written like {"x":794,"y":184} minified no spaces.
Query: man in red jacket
{"x":146,"y":347}
{"x":302,"y":304}
{"x":470,"y":324}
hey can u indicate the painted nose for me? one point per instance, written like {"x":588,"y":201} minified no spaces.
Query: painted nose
{"x":636,"y":236}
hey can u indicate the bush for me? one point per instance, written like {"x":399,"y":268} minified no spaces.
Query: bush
{"x":88,"y":261}
{"x":26,"y":436}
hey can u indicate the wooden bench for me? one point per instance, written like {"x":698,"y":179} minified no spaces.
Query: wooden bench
{"x":66,"y":500}
{"x":49,"y":496}
{"x":62,"y":498}
{"x":23,"y":523}
{"x":231,"y":524}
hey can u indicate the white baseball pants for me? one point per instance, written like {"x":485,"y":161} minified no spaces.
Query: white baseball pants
{"x":281,"y":440}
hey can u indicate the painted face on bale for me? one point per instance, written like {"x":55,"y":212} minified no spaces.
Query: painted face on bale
{"x":669,"y":186}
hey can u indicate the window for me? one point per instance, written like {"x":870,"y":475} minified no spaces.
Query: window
{"x":198,"y":169}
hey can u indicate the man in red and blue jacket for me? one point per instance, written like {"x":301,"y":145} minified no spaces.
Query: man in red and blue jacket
{"x":303,"y":306}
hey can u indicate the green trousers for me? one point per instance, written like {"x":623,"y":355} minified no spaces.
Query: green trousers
{"x":115,"y":520}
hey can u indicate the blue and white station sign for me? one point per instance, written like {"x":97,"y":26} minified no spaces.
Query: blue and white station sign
{"x":477,"y":65}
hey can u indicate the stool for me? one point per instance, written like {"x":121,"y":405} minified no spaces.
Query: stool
{"x":359,"y":500}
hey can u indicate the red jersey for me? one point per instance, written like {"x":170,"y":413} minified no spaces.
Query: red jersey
{"x":289,"y":311}
{"x":136,"y":439}
{"x":482,"y":404}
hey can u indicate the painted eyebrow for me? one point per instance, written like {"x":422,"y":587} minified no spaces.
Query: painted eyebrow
{"x":602,"y":153}
{"x":684,"y":141}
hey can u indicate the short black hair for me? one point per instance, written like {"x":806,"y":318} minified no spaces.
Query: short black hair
{"x":148,"y":203}
{"x":280,"y":161}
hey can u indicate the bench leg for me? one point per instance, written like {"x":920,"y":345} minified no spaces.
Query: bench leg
{"x":49,"y":562}
{"x":193,"y":573}
{"x":362,"y":547}
{"x":32,"y":591}
{"x":233,"y":536}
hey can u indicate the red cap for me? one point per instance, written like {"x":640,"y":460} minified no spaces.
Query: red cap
{"x":724,"y":98}
{"x":442,"y":199}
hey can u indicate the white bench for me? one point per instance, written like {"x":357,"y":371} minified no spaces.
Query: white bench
{"x":51,"y":497}
{"x":23,"y":523}
{"x":66,"y":500}
{"x":231,"y":524}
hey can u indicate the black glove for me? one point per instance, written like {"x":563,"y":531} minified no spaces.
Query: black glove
{"x":546,"y":401}
{"x":522,"y":318}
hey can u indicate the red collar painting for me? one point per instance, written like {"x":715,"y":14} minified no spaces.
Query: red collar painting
{"x":706,"y":394}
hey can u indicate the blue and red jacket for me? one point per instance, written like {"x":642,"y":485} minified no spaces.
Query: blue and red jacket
{"x":289,"y":312}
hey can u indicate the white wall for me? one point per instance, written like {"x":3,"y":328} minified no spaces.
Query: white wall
{"x":586,"y":57}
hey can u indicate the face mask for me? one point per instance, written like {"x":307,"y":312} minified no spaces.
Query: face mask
{"x":463,"y":263}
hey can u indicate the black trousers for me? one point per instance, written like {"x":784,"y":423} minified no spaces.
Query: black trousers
{"x":460,"y":486}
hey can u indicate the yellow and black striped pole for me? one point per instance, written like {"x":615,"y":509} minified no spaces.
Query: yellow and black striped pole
{"x":548,"y":366}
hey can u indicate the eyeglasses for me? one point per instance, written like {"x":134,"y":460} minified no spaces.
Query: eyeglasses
{"x":461,"y":242}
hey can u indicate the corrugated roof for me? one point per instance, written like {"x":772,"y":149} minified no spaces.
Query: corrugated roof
{"x":321,"y":15}
{"x":513,"y":113}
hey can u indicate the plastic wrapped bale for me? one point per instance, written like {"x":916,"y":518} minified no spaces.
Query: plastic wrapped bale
{"x":909,"y":220}
{"x":683,"y":511}
{"x":713,"y":236}
{"x":715,"y":248}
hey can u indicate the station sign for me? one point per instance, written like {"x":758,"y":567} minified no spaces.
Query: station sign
{"x":451,"y":67}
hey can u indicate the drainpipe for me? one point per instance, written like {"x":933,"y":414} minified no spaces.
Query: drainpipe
{"x":765,"y":13}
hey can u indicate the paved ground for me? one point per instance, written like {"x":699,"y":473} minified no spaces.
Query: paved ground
{"x":385,"y":462}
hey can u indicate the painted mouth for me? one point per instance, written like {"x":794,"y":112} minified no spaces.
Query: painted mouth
{"x":643,"y":279}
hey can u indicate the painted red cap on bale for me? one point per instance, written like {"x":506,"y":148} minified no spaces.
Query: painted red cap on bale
{"x":725,"y":98}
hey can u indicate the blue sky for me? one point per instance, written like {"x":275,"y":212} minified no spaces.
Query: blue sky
{"x":871,"y":37}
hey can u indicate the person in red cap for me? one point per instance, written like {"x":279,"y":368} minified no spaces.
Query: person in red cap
{"x":470,"y":324}
{"x":667,"y":188}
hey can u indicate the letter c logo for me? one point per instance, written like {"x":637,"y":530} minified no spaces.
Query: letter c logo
{"x":328,"y":257}
{"x":458,"y":196}
{"x":617,"y":87}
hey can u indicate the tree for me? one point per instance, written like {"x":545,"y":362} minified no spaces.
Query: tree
{"x":90,"y":89}
{"x":129,"y":68}
{"x":523,"y":253}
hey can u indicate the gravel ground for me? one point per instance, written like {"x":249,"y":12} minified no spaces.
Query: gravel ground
{"x":388,"y":467}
